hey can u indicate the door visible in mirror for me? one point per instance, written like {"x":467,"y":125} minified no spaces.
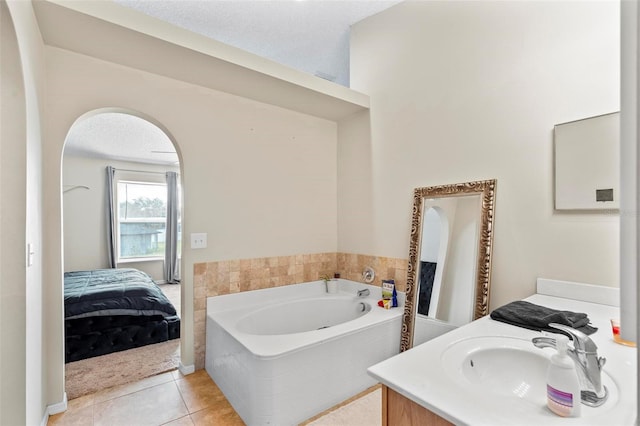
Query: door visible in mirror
{"x":448,"y":254}
{"x":449,"y":259}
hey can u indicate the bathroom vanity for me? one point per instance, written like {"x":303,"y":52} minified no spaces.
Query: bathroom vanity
{"x":398,"y":410}
{"x":490,"y":373}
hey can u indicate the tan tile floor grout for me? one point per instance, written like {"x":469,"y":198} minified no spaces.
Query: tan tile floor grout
{"x":167,"y":399}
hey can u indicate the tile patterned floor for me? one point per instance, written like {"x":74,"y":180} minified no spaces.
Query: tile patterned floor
{"x":166,"y":399}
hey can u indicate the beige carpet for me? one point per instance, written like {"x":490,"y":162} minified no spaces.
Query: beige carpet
{"x":94,"y":374}
{"x":172,"y":291}
{"x":90,"y":375}
{"x":364,"y":411}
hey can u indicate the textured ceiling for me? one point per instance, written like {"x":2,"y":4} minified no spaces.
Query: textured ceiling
{"x":308,"y":35}
{"x":120,"y":137}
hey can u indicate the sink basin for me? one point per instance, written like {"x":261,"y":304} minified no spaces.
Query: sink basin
{"x":503,"y":365}
{"x":508,"y":367}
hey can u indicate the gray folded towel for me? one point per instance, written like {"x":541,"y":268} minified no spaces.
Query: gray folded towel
{"x":536,"y":317}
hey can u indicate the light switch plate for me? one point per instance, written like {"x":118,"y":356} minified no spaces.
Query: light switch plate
{"x":199,"y":240}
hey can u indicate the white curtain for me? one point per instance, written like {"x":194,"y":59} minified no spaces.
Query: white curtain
{"x":171,"y":268}
{"x":111,"y":219}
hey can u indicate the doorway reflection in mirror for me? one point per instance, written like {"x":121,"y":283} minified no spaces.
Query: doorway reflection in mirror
{"x":448,"y":259}
{"x":449,"y":268}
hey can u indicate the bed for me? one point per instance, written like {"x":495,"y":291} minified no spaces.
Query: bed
{"x":111,"y":310}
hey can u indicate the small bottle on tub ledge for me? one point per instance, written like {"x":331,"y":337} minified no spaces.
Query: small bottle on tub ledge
{"x":389,"y":295}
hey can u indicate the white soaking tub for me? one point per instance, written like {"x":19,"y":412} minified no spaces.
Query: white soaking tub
{"x":285,"y":354}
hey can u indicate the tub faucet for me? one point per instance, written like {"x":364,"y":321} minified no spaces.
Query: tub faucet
{"x":588,"y":364}
{"x":363,"y":293}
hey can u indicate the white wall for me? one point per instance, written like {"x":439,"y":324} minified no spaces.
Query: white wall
{"x":12,"y":227}
{"x":259,"y":180}
{"x":85,"y":234}
{"x":430,"y":244}
{"x":458,"y":294}
{"x":24,"y":396}
{"x":466,"y":91}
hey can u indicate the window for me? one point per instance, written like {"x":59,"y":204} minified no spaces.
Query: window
{"x":142,"y":212}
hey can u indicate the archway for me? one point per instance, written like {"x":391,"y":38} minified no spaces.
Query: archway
{"x":141,"y":153}
{"x":433,"y":254}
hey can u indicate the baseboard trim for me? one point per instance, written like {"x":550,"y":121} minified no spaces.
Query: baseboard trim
{"x":56,"y":408}
{"x":186,"y":369}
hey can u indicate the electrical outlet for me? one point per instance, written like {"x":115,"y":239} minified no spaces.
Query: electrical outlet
{"x":199,"y":241}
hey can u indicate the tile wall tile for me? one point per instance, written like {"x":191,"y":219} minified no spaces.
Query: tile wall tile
{"x":233,"y":276}
{"x":351,"y":267}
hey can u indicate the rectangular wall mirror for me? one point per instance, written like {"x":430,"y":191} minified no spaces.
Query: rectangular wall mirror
{"x":587,"y":163}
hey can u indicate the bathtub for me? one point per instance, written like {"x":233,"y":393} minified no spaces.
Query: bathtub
{"x":285,"y":354}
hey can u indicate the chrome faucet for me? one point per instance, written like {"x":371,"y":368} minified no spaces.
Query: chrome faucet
{"x":363,"y":293}
{"x":588,"y":364}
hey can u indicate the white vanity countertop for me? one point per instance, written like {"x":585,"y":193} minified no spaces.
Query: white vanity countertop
{"x":418,"y":374}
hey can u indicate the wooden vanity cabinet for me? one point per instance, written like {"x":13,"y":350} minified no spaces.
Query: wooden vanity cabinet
{"x":398,"y":410}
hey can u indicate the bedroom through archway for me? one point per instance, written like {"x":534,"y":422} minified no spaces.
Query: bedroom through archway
{"x":122,"y":210}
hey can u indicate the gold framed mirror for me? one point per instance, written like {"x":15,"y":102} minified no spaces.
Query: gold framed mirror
{"x":449,"y":270}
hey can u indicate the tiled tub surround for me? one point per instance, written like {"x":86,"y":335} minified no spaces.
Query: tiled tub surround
{"x":283,"y":355}
{"x":234,"y":276}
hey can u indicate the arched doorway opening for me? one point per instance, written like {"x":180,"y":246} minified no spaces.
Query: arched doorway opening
{"x":122,"y":209}
{"x":433,"y":256}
